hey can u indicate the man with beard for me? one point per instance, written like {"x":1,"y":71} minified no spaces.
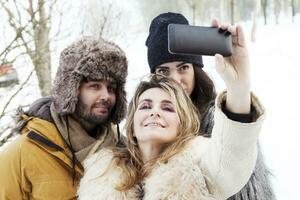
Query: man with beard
{"x":58,"y":132}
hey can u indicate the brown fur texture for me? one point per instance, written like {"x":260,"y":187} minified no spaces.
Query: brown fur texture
{"x":94,"y":59}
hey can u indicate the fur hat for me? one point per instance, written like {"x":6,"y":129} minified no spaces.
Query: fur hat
{"x":157,"y":41}
{"x":94,"y":59}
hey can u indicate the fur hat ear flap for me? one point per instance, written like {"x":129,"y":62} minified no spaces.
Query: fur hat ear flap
{"x":65,"y":93}
{"x":120,"y":107}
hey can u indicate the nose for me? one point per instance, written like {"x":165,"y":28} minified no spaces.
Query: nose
{"x":154,"y":114}
{"x":104,"y":94}
{"x":176,"y":77}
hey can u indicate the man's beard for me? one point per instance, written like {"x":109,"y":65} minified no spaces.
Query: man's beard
{"x":84,"y":112}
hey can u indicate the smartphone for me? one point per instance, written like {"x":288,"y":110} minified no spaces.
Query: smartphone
{"x":198,"y":40}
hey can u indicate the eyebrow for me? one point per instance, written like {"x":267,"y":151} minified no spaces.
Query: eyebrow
{"x":94,"y":81}
{"x":178,"y":65}
{"x":113,"y":84}
{"x":144,"y":100}
{"x":149,"y":101}
{"x":167,"y":102}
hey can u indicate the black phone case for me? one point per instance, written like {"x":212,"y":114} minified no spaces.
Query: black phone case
{"x":199,"y":40}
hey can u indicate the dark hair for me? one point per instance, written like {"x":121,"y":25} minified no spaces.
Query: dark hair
{"x":204,"y":91}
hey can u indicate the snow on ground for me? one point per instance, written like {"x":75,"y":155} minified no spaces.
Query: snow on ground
{"x":275,"y":79}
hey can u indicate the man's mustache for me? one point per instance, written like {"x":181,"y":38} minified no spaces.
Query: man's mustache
{"x":101,"y":104}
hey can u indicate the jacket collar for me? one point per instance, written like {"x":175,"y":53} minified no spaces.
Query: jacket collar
{"x":45,"y":134}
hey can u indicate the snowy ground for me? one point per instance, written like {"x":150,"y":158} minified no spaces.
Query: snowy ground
{"x":275,"y":79}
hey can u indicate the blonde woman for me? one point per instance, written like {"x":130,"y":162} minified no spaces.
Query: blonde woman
{"x":189,"y":71}
{"x":165,"y":159}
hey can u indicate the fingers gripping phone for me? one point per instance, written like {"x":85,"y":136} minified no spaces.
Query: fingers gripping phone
{"x":198,"y":40}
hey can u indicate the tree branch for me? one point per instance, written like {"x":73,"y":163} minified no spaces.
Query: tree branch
{"x":18,"y":12}
{"x":13,"y":110}
{"x":59,"y":27}
{"x":18,"y":35}
{"x":11,"y":19}
{"x":51,"y":9}
{"x":105,"y":19}
{"x":4,"y":140}
{"x":12,"y":96}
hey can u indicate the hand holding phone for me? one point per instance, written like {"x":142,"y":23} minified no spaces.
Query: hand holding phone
{"x":199,"y":40}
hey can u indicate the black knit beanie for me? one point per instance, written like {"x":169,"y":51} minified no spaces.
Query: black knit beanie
{"x":157,"y":42}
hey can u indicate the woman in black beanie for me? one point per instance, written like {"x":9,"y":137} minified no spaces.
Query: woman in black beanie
{"x":187,"y":70}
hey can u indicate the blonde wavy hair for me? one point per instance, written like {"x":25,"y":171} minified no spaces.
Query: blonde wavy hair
{"x":129,"y":159}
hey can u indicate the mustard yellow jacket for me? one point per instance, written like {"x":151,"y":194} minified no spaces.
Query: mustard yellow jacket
{"x":38,"y":165}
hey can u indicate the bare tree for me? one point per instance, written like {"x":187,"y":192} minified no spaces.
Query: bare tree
{"x":150,"y":9}
{"x":3,"y":112}
{"x":193,"y":6}
{"x":30,"y":20}
{"x":264,"y":4}
{"x":103,"y":18}
{"x":28,"y":24}
{"x":232,"y":11}
{"x":286,"y":6}
{"x":204,"y":10}
{"x":254,"y":24}
{"x":277,"y":9}
{"x":293,"y":7}
{"x":222,"y":10}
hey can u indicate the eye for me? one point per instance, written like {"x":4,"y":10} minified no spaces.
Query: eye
{"x":112,"y":88}
{"x":183,"y":68}
{"x":144,"y":106}
{"x":168,"y":108}
{"x":94,"y":86}
{"x":162,"y":71}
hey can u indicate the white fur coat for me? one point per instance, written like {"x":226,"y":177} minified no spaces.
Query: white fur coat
{"x":207,"y":169}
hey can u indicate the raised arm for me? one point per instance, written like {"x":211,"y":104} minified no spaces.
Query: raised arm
{"x":235,"y":70}
{"x":230,"y":155}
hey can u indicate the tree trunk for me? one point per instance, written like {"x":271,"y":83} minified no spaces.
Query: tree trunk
{"x":222,"y":10}
{"x":42,"y":58}
{"x":286,"y":7}
{"x":277,"y":8}
{"x":232,"y":11}
{"x":34,"y":36}
{"x":42,"y":68}
{"x":194,"y":13}
{"x":254,"y":24}
{"x":264,"y":8}
{"x":293,"y":10}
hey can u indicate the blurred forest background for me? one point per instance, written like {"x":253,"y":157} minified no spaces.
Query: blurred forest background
{"x":33,"y":32}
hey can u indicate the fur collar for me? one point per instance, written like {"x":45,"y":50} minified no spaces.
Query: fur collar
{"x":179,"y":178}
